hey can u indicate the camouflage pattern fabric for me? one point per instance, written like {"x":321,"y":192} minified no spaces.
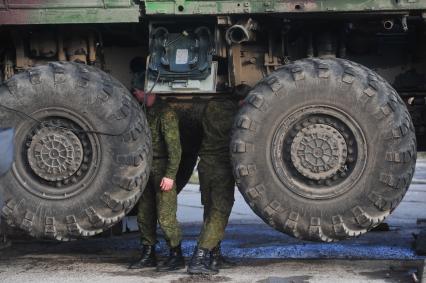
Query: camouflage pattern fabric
{"x":164,"y":126}
{"x":156,"y":205}
{"x":217,"y":123}
{"x":217,"y":196}
{"x":217,"y":183}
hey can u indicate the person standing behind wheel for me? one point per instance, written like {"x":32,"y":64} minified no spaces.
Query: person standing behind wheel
{"x":217,"y":185}
{"x":159,"y":200}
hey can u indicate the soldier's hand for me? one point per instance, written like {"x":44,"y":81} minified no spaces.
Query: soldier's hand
{"x":166,"y":184}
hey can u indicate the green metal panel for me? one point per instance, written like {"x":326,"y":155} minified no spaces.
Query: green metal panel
{"x":190,"y":7}
{"x":19,"y":12}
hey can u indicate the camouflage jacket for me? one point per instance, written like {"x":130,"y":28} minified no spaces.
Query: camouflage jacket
{"x":217,"y":124}
{"x":164,"y":126}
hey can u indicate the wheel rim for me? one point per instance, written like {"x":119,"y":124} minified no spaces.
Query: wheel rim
{"x":55,"y":154}
{"x":56,"y":159}
{"x":319,"y":152}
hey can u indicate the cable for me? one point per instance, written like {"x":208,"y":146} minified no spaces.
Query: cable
{"x":155,"y":83}
{"x":29,"y":117}
{"x":150,"y":91}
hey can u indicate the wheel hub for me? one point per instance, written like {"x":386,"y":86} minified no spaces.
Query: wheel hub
{"x":55,"y":154}
{"x":318,"y":151}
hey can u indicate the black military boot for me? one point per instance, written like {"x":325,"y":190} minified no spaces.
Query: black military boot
{"x":199,"y":263}
{"x":218,"y":261}
{"x":175,"y":260}
{"x":148,"y":258}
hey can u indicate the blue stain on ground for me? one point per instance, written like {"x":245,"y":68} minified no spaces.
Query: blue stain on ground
{"x":262,"y":242}
{"x":251,"y":241}
{"x":247,"y":236}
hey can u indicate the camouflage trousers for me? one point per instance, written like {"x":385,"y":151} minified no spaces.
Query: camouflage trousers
{"x":156,"y":205}
{"x":217,"y":186}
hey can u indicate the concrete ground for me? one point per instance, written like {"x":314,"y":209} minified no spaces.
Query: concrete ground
{"x":262,"y":254}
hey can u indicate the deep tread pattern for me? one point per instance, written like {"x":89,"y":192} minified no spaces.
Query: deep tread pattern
{"x":8,"y":210}
{"x":316,"y":232}
{"x":126,"y":158}
{"x":364,"y":207}
{"x":383,"y":112}
{"x":49,"y":227}
{"x":58,"y":72}
{"x":135,"y":131}
{"x":27,"y":222}
{"x":258,"y":102}
{"x":341,"y":230}
{"x":241,"y":147}
{"x":256,"y":192}
{"x":245,"y":170}
{"x":323,"y":70}
{"x":246,"y":123}
{"x":291,"y":223}
{"x":124,"y":111}
{"x":403,"y":156}
{"x":72,"y":225}
{"x":34,"y":76}
{"x":349,"y":76}
{"x":396,"y":182}
{"x":274,"y":83}
{"x":361,"y":217}
{"x":272,"y":209}
{"x":129,"y":183}
{"x":75,"y":229}
{"x":384,"y":204}
{"x":298,"y":73}
{"x":119,"y":205}
{"x":134,"y":158}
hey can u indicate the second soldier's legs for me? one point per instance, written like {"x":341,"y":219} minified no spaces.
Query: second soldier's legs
{"x":217,"y":193}
{"x":205,"y":190}
{"x":221,"y":194}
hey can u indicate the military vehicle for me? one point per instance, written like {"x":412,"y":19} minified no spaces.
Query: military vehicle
{"x":324,"y":147}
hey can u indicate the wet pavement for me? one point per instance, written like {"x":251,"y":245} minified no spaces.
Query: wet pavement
{"x":263,"y":254}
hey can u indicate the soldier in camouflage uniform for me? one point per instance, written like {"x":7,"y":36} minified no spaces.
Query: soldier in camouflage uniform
{"x":216,"y":184}
{"x":159,"y":200}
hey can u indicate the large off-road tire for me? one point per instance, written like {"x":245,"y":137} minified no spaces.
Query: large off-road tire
{"x":323,"y":150}
{"x":86,"y":164}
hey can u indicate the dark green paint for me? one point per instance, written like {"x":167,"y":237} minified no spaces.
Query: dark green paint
{"x":67,"y":12}
{"x":189,"y":7}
